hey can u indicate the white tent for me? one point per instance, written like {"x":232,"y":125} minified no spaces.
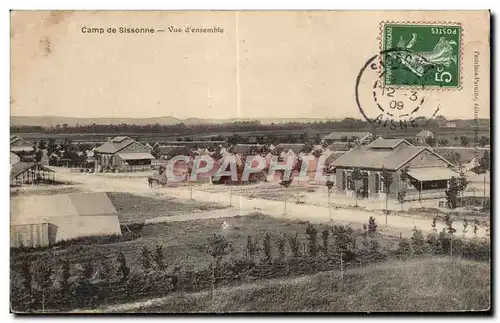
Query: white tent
{"x":41,"y":220}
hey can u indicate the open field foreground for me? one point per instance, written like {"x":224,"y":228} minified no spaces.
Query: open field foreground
{"x":432,"y":284}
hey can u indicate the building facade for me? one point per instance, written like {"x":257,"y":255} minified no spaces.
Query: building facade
{"x":428,"y":172}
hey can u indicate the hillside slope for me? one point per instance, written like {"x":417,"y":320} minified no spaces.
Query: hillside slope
{"x":431,"y":284}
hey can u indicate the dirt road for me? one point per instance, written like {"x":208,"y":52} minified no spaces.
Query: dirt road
{"x":356,"y":217}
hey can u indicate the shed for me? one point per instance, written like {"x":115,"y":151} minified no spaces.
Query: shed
{"x":42,"y":220}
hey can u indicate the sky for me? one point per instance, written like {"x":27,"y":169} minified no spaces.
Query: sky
{"x":264,"y":65}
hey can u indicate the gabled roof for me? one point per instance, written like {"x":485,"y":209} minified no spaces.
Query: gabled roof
{"x":19,"y":142}
{"x":338,"y":146}
{"x":21,"y":167}
{"x":391,"y":159}
{"x":338,"y":136}
{"x":296,"y":148}
{"x":115,"y":145}
{"x":42,"y":207}
{"x":333,"y":157}
{"x":381,"y":143}
{"x":119,"y":139}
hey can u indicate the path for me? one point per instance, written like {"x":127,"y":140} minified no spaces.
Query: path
{"x":313,"y":213}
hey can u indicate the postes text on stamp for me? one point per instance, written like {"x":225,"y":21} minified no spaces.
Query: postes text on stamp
{"x":426,"y":55}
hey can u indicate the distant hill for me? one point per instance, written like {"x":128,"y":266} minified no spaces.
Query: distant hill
{"x":52,"y":121}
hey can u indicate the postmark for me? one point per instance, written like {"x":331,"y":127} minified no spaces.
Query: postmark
{"x":428,"y":54}
{"x":390,"y":106}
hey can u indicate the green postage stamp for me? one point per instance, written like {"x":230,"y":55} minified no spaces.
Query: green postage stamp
{"x":425,"y":55}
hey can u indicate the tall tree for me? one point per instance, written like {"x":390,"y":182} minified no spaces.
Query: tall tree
{"x":483,"y":168}
{"x":387,"y":178}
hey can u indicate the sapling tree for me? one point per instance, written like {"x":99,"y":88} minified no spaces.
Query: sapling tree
{"x":475,"y":227}
{"x":450,"y":229}
{"x":251,"y":248}
{"x":345,"y":244}
{"x":123,"y":269}
{"x":311,"y":232}
{"x":146,"y":259}
{"x":329,"y":184}
{"x":266,"y":247}
{"x":465,"y":225}
{"x":325,"y":234}
{"x":286,"y":184}
{"x":280,"y":247}
{"x":293,"y":241}
{"x":297,"y":167}
{"x":418,"y":242}
{"x":44,"y":272}
{"x":387,"y":179}
{"x":217,"y":247}
{"x":372,"y":226}
{"x":456,"y":185}
{"x":159,"y":258}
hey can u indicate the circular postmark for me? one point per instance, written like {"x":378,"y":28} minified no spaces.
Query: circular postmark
{"x":388,"y":106}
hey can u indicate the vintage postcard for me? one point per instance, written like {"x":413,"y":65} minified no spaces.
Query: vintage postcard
{"x":250,"y":161}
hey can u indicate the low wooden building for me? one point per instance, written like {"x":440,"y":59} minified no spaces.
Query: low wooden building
{"x":43,"y":220}
{"x":30,"y":173}
{"x":429,"y":172}
{"x":124,"y":154}
{"x":22,"y":148}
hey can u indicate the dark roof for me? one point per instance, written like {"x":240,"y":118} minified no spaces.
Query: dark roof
{"x":338,"y":146}
{"x":120,"y":139}
{"x":333,"y":157}
{"x":21,"y":167}
{"x":392,"y":159}
{"x":115,"y":145}
{"x":337,"y":136}
{"x":246,"y":148}
{"x":381,"y":143}
{"x":296,"y":148}
{"x":16,"y":141}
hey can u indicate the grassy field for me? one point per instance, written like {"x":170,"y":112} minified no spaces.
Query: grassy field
{"x":184,"y":243}
{"x":137,"y":208}
{"x":430,"y":284}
